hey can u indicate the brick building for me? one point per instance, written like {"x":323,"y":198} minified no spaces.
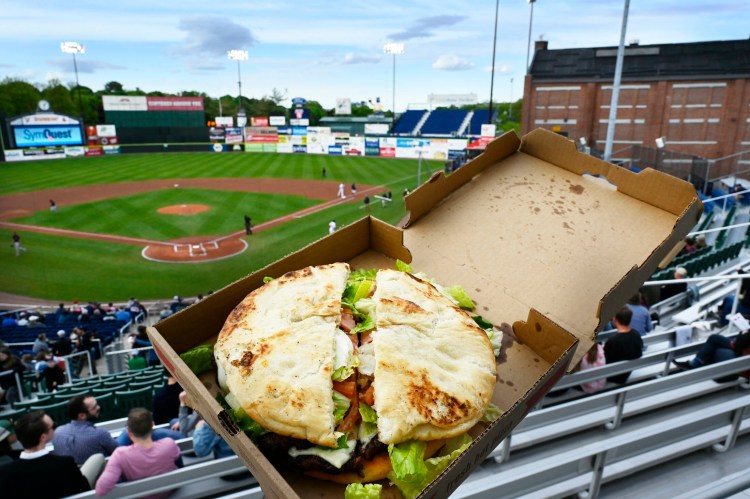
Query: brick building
{"x":695,"y":95}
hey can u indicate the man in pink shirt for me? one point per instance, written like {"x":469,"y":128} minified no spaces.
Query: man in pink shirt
{"x":144,"y":458}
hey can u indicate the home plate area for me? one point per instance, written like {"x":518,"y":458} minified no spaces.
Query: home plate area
{"x":194,"y":251}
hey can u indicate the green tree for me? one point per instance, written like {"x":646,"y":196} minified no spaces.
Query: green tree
{"x":113,"y":88}
{"x":18,"y":97}
{"x":60,"y":99}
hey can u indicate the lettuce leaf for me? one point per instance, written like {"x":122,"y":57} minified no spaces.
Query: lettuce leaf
{"x":363,"y":326}
{"x":407,"y":462}
{"x":492,"y":413}
{"x":244,"y":422}
{"x":411,"y":474}
{"x":368,"y":427}
{"x":403,"y":266}
{"x":340,"y":406}
{"x":363,"y":491}
{"x":457,"y":293}
{"x":199,"y":359}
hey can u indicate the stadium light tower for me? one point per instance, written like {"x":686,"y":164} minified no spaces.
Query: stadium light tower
{"x":528,"y":43}
{"x":238,"y":55}
{"x":395,"y":49}
{"x":75,"y":48}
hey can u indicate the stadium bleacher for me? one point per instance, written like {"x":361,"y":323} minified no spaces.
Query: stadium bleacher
{"x":407,"y":123}
{"x":443,"y":122}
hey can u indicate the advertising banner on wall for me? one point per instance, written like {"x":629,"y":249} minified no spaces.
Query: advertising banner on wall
{"x":318,"y":139}
{"x":285,"y":144}
{"x":225,"y":121}
{"x":277,"y":120}
{"x":388,"y":147}
{"x":124,"y":103}
{"x":216,"y":134}
{"x":174,"y":103}
{"x":233,"y":135}
{"x":259,"y":121}
{"x":34,"y":154}
{"x":335,"y":150}
{"x":142,"y":103}
{"x":264,"y":135}
{"x":376,"y":128}
{"x":372,"y":146}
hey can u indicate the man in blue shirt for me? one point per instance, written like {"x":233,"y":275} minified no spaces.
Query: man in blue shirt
{"x":80,"y":439}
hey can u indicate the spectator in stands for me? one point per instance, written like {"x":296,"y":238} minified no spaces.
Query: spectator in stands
{"x":593,"y":358}
{"x":62,"y":346}
{"x":9,"y":321}
{"x":80,"y":438}
{"x":700,"y":242}
{"x":123,"y":315}
{"x":743,"y":306}
{"x":625,"y":345}
{"x":23,"y":319}
{"x":167,"y":402}
{"x":137,"y":310}
{"x":37,"y":473}
{"x":689,"y":245}
{"x":670,"y":290}
{"x":7,"y":438}
{"x":53,"y":375}
{"x":165,"y":312}
{"x":144,"y":458}
{"x":61,"y":313}
{"x":41,"y":344}
{"x":28,"y":362}
{"x":641,"y":320}
{"x":142,"y":340}
{"x":205,"y":439}
{"x":12,"y":363}
{"x":718,"y":348}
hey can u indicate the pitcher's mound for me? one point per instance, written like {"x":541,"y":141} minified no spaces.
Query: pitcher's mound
{"x":183,"y":209}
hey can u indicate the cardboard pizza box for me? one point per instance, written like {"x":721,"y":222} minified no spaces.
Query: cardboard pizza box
{"x":546,"y":240}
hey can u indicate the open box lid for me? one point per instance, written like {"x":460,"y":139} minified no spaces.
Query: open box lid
{"x":547,"y":228}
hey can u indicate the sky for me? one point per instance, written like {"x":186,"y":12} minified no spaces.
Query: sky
{"x":324,"y":51}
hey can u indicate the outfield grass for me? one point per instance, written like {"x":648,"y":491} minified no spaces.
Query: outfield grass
{"x":66,"y":269}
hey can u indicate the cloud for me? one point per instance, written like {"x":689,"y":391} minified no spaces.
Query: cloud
{"x":452,"y":62}
{"x":212,"y":37}
{"x":87,"y":66}
{"x":425,"y":27}
{"x":502,"y":69}
{"x":352,"y":58}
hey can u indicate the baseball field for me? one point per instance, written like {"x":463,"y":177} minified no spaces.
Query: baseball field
{"x":156,"y":225}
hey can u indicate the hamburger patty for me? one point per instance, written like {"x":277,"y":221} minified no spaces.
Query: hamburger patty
{"x":276,"y":448}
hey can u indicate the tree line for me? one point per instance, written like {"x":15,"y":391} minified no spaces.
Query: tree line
{"x":18,"y":97}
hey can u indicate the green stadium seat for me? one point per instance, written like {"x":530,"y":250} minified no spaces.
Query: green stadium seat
{"x":104,"y":390}
{"x":28,"y":403}
{"x":14,"y":414}
{"x":57,"y":411}
{"x":128,"y":399}
{"x":108,"y":404}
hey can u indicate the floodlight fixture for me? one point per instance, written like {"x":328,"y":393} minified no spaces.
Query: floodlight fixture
{"x":74,"y":48}
{"x":395,"y":49}
{"x":238,"y":55}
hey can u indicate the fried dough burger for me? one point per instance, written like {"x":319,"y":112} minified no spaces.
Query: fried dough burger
{"x":349,"y":374}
